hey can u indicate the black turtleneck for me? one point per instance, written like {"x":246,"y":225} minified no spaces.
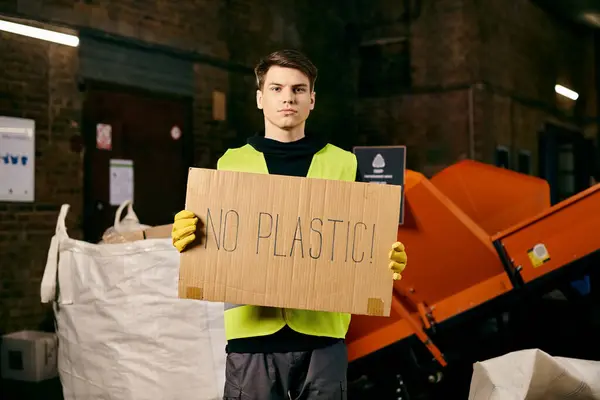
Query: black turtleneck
{"x":292,"y":159}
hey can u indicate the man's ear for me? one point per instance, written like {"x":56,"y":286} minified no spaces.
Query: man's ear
{"x":312,"y":100}
{"x":259,"y":99}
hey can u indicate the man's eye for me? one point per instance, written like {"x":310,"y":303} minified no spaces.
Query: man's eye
{"x":276,"y":89}
{"x":300,"y":90}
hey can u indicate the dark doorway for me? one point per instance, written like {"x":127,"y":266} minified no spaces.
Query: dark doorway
{"x":151,"y":131}
{"x":564,"y":161}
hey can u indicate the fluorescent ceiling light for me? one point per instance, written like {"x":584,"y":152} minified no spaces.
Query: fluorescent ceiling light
{"x":37,"y":33}
{"x":566,"y":92}
{"x":592,"y":18}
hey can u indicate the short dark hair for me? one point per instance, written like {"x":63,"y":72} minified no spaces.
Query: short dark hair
{"x":286,"y":59}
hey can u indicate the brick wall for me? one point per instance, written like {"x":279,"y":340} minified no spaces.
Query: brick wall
{"x":211,"y":137}
{"x":189,"y":25}
{"x":516,"y":49}
{"x":524,"y":52}
{"x":36,"y":82}
{"x":431,"y":114}
{"x":433,"y":126}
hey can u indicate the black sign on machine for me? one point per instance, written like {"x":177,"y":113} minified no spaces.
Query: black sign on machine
{"x":383,"y":164}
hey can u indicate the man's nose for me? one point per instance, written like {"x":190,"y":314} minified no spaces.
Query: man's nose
{"x":288,"y":96}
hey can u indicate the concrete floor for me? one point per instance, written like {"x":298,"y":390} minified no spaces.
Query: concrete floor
{"x":46,"y":390}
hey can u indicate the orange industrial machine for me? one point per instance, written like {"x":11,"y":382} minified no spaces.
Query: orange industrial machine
{"x":473,"y":233}
{"x":494,"y":198}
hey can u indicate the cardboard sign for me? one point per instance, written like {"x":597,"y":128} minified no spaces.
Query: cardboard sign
{"x":385,"y":165}
{"x":290,"y":242}
{"x":156,"y":232}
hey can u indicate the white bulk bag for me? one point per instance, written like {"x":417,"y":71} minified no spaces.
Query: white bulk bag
{"x":532,"y":374}
{"x":123,"y":333}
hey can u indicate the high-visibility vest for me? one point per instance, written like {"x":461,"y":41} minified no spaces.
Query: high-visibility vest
{"x":243,"y":321}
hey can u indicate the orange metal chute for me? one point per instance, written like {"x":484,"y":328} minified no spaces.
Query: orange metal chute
{"x":568,"y":231}
{"x":494,"y":198}
{"x":443,"y":244}
{"x":453,"y":267}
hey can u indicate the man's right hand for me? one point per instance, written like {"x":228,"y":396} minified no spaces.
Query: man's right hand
{"x":184,"y":229}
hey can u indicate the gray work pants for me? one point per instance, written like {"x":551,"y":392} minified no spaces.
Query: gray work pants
{"x":309,"y":375}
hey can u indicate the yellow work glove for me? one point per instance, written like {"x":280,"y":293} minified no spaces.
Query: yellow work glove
{"x":397,"y":260}
{"x":184,"y":229}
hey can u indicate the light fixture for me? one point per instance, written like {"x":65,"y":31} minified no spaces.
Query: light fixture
{"x":566,"y":92}
{"x":591,"y":18}
{"x":38,"y":33}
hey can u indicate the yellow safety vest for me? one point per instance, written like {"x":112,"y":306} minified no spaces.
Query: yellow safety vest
{"x":243,"y":321}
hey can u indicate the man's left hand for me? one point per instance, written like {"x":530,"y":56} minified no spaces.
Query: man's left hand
{"x":397,"y":260}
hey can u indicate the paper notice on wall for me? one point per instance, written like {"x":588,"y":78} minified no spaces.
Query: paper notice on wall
{"x":121,"y":181}
{"x":17,"y":159}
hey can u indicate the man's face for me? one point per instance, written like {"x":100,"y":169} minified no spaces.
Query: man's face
{"x":286,"y":98}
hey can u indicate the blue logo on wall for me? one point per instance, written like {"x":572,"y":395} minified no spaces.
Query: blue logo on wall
{"x":14,"y":159}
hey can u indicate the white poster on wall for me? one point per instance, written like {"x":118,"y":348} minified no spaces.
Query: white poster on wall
{"x":121,"y":181}
{"x":17,"y":159}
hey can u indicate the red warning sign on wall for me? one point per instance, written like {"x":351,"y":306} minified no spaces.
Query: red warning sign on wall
{"x":103,"y":136}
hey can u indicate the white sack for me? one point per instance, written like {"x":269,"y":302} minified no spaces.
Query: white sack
{"x":535,"y":375}
{"x":123,"y":333}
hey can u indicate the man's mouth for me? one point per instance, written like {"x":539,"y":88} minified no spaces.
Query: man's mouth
{"x":288,"y":111}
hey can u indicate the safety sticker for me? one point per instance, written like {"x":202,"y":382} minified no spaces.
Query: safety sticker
{"x":538,"y":255}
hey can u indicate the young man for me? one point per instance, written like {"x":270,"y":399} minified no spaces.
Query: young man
{"x":281,"y":353}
